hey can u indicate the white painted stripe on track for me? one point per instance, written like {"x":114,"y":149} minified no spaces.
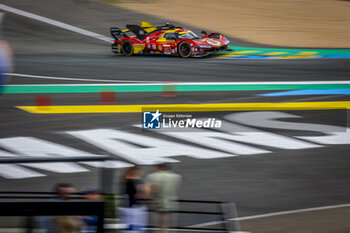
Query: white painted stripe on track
{"x":57,"y":167}
{"x":291,"y":212}
{"x":145,"y":83}
{"x":274,"y":214}
{"x":72,"y":79}
{"x":13,"y":171}
{"x":55,"y":23}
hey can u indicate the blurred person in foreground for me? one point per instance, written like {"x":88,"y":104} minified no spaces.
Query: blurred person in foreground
{"x":134,"y":186}
{"x":5,"y":64}
{"x":66,"y":224}
{"x":64,"y":191}
{"x":91,"y":222}
{"x":135,"y":216}
{"x":60,"y":224}
{"x":6,"y":59}
{"x":163,"y":186}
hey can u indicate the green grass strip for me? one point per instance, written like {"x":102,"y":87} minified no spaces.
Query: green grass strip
{"x":36,"y":89}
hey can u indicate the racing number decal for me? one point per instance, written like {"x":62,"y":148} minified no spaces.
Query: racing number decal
{"x":213,"y":42}
{"x":166,"y":49}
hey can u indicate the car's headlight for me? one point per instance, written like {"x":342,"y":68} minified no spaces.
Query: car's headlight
{"x":226,"y":42}
{"x":197,"y":48}
{"x":205,"y":46}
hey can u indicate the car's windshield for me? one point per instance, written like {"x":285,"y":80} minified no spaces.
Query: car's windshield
{"x":188,"y":35}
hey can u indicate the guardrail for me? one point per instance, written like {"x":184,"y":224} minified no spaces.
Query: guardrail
{"x":51,"y":208}
{"x":42,"y":203}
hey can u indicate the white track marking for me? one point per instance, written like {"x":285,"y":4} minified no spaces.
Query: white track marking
{"x":145,"y":83}
{"x":55,"y":23}
{"x":57,"y":167}
{"x":274,"y":214}
{"x":121,"y":143}
{"x":108,"y":164}
{"x":13,"y":171}
{"x":292,"y":212}
{"x":71,"y":79}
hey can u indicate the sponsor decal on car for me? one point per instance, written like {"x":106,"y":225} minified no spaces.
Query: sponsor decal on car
{"x":213,"y":42}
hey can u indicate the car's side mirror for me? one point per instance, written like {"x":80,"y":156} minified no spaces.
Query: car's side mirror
{"x":204,"y":32}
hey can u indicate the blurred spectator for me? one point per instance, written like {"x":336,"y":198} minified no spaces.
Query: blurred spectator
{"x":134,"y":186}
{"x":67,"y":224}
{"x":135,"y":217}
{"x":91,"y":222}
{"x":64,"y":191}
{"x":163,"y":188}
{"x":93,"y":194}
{"x":5,"y":63}
{"x":61,"y":224}
{"x":6,"y":58}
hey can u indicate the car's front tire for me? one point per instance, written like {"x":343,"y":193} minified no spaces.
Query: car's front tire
{"x":126,"y":48}
{"x":185,"y":49}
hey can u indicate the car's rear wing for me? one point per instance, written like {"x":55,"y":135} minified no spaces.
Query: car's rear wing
{"x":117,"y":33}
{"x":138,"y":31}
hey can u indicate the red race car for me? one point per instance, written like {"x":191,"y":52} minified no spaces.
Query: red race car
{"x":167,"y":39}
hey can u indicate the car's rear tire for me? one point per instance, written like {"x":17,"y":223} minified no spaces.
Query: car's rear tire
{"x":185,"y":49}
{"x":126,"y":48}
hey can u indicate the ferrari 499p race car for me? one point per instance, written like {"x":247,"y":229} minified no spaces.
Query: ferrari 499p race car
{"x":167,"y":39}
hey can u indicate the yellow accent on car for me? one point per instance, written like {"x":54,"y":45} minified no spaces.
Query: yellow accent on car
{"x":138,"y":48}
{"x":184,"y":32}
{"x":161,"y":39}
{"x":172,"y":30}
{"x":147,"y":26}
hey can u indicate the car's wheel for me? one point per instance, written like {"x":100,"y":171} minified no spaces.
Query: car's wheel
{"x":126,"y":48}
{"x":185,"y":49}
